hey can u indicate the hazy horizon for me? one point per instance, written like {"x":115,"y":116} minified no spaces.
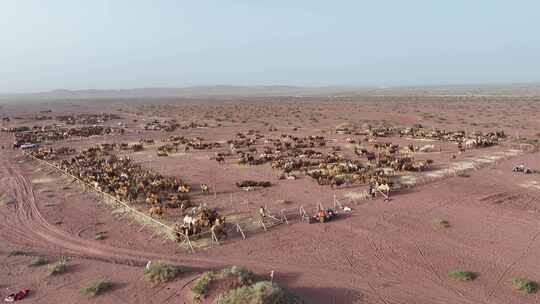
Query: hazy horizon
{"x":81,"y":45}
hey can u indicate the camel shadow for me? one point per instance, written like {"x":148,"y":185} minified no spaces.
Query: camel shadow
{"x":403,"y":190}
{"x":117,"y":286}
{"x":319,"y":295}
{"x":72,"y":268}
{"x":329,"y":295}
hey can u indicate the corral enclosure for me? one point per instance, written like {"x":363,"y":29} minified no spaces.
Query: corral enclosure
{"x":454,"y":200}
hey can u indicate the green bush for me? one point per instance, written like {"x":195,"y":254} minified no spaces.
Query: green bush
{"x":39,"y":261}
{"x":259,"y":293}
{"x":440,"y":224}
{"x":202,"y":283}
{"x":58,"y":267}
{"x":159,"y":272}
{"x":96,"y":288}
{"x":524,"y":285}
{"x":462,"y":275}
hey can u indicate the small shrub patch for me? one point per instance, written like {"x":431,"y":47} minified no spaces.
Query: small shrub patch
{"x":524,"y":285}
{"x":58,"y":268}
{"x":440,"y":224}
{"x":96,"y":288}
{"x":462,"y":275}
{"x":39,"y":261}
{"x":159,"y":272}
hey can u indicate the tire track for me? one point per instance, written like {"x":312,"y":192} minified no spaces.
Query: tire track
{"x":511,"y":265}
{"x":434,"y":272}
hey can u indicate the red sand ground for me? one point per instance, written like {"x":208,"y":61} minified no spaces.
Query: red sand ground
{"x":382,"y":253}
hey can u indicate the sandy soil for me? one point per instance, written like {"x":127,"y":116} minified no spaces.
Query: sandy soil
{"x":384,"y":252}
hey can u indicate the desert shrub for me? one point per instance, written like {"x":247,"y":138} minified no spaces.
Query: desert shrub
{"x":462,"y":275}
{"x":529,"y":141}
{"x":259,"y":293}
{"x":524,"y":285}
{"x":100,"y":236}
{"x":159,"y":272}
{"x":96,"y":288}
{"x":38,"y":261}
{"x":202,"y":283}
{"x":18,"y":253}
{"x":58,"y":267}
{"x":440,"y":224}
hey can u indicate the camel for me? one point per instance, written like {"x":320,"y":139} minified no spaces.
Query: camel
{"x":338,"y":180}
{"x":421,"y":165}
{"x":220,"y":159}
{"x":204,"y":188}
{"x":218,"y":228}
{"x":137,"y":147}
{"x":383,"y":187}
{"x":156,"y":211}
{"x":461,"y":149}
{"x":183,"y":188}
{"x":200,"y":219}
{"x":470,"y":143}
{"x":288,"y":176}
{"x":427,"y":148}
{"x":188,"y":220}
{"x":152,"y":199}
{"x":173,"y":202}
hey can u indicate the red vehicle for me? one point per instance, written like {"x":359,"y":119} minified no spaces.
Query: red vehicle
{"x":17,"y":296}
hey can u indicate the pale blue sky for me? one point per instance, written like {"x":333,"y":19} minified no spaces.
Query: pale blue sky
{"x":76,"y":44}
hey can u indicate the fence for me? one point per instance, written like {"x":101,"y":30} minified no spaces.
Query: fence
{"x":107,"y":198}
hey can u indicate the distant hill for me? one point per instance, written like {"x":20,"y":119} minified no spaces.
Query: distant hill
{"x":532,"y":89}
{"x":527,"y":89}
{"x":199,"y":91}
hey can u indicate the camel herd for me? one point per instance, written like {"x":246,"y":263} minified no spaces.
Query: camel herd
{"x":165,"y":125}
{"x":376,"y":166}
{"x":121,"y":177}
{"x":39,"y":134}
{"x":129,"y":182}
{"x":292,"y":154}
{"x":170,"y":125}
{"x":52,"y":154}
{"x":372,"y":162}
{"x":199,"y":220}
{"x":193,"y":143}
{"x":475,"y":139}
{"x":87,"y":118}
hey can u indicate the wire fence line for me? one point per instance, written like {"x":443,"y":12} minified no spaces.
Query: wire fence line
{"x":104,"y":194}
